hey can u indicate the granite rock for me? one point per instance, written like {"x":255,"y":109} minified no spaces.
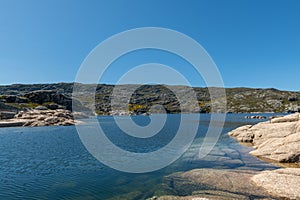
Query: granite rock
{"x":282,"y":183}
{"x":277,"y":139}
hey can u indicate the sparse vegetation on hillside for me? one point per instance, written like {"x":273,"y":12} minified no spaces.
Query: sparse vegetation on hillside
{"x":143,"y":98}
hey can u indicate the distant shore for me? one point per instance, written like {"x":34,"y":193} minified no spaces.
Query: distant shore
{"x":62,"y":117}
{"x":144,"y":97}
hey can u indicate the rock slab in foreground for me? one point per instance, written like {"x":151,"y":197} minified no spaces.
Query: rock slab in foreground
{"x":225,"y":183}
{"x":284,"y":183}
{"x":277,"y":139}
{"x":216,"y":184}
{"x":204,"y":195}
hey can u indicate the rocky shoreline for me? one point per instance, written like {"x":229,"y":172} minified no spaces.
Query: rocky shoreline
{"x":220,"y":184}
{"x":40,"y":108}
{"x":277,"y":140}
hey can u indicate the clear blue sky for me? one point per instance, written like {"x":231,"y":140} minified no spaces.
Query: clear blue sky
{"x":255,"y":43}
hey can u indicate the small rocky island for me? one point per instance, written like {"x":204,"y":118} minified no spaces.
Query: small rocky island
{"x":38,"y":108}
{"x":40,"y":117}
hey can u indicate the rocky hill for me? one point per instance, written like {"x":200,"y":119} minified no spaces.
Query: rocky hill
{"x":23,"y":96}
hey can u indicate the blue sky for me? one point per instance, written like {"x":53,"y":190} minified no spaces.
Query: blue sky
{"x":255,"y":43}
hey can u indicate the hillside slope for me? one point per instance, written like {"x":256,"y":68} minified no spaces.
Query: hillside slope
{"x":22,"y":96}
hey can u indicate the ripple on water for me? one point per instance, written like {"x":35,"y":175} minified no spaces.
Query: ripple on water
{"x":52,"y":163}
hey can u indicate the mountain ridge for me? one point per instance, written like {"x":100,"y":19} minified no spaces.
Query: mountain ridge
{"x":239,"y":99}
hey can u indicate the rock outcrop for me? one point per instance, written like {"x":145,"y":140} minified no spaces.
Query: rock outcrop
{"x":44,"y":96}
{"x":12,"y":123}
{"x":205,"y":195}
{"x":284,"y":183}
{"x":42,"y":117}
{"x":215,"y":184}
{"x":277,"y":139}
{"x":46,"y":117}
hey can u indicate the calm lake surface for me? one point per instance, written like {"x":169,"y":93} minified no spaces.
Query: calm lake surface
{"x":52,"y":163}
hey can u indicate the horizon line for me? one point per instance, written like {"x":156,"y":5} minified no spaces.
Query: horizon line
{"x":225,"y":87}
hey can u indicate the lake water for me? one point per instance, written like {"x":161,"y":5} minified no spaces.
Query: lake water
{"x":52,"y":163}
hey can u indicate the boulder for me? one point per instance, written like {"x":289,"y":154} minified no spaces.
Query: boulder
{"x":52,"y":120}
{"x":41,"y":117}
{"x":52,"y":106}
{"x":67,"y":123}
{"x":28,"y":123}
{"x":80,"y":115}
{"x":286,"y":149}
{"x":41,"y":108}
{"x":37,"y":123}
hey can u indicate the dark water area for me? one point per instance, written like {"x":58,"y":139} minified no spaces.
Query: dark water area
{"x":52,"y":162}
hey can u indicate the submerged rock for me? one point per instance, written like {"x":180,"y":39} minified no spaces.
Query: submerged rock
{"x":215,"y":184}
{"x":255,"y":117}
{"x":204,"y":195}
